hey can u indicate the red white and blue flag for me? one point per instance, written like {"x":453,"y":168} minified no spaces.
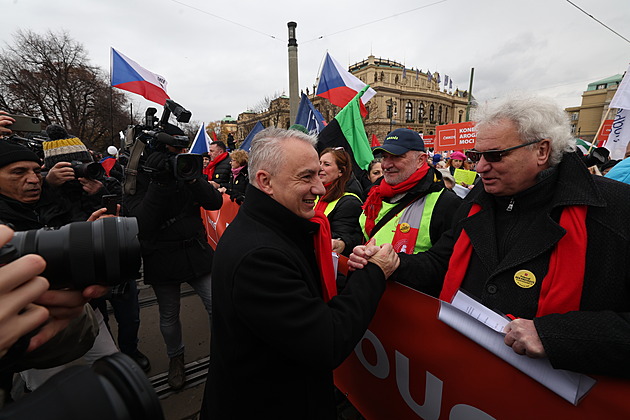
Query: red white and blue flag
{"x":339,"y":86}
{"x":128,"y":75}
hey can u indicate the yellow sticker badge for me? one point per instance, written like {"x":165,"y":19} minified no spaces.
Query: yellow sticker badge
{"x":405,"y":227}
{"x":525,"y":279}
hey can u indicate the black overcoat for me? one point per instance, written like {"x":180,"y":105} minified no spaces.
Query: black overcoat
{"x":595,"y":339}
{"x":275,"y":342}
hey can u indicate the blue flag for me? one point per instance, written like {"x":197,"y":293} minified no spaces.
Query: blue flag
{"x":247,"y":143}
{"x":309,"y":117}
{"x":429,"y":75}
{"x":201,"y":142}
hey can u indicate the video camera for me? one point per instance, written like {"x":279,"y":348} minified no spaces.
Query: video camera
{"x":157,"y":134}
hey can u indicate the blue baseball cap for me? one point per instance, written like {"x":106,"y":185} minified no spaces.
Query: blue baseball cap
{"x":400,"y":141}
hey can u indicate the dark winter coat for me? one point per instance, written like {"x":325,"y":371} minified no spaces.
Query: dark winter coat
{"x":222,"y":172}
{"x":275,"y":342}
{"x":595,"y":339}
{"x":237,"y":186}
{"x":50,"y":210}
{"x":172,"y":236}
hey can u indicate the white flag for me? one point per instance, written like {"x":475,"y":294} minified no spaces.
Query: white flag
{"x":619,"y":136}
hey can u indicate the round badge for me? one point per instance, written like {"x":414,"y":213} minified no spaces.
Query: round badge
{"x":525,"y":279}
{"x":405,"y":227}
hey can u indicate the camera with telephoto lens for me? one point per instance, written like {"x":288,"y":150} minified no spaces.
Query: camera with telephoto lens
{"x":91,"y":170}
{"x":157,"y":134}
{"x":80,"y":254}
{"x":113,"y":388}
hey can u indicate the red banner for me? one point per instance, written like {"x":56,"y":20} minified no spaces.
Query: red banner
{"x":410,"y":365}
{"x":605,"y":131}
{"x":429,"y":141}
{"x":216,"y":221}
{"x":458,"y":136}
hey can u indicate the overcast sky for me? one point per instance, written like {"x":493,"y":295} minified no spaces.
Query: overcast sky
{"x":223,"y":57}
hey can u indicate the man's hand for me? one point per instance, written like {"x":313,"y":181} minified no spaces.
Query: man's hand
{"x":102,"y":213}
{"x":361,"y":254}
{"x":19,"y":287}
{"x":338,"y":246}
{"x":59,"y":174}
{"x":214,"y":184}
{"x":523,"y":338}
{"x":91,"y":186}
{"x":5,"y":120}
{"x":387,"y":259}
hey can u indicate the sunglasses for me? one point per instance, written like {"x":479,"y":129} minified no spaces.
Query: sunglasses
{"x":495,"y":155}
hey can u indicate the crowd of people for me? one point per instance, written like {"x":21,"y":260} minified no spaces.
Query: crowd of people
{"x":283,"y":313}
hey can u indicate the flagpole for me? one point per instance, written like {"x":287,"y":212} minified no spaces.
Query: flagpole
{"x":472,"y":75}
{"x":599,"y":130}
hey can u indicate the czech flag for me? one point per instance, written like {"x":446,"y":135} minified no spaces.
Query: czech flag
{"x":128,"y":75}
{"x":339,"y":86}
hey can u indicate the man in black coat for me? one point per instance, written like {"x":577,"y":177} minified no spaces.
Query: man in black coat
{"x":278,"y":330}
{"x":539,"y":238}
{"x":219,"y":170}
{"x":173,"y":240}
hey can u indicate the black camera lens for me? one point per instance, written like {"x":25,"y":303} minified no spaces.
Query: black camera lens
{"x":188,"y":166}
{"x":91,"y":170}
{"x":115,"y":388}
{"x":80,"y":254}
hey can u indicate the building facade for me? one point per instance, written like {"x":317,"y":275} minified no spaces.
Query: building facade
{"x":405,"y":97}
{"x":587,"y":118}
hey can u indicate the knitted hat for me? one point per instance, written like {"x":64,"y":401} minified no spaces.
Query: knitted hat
{"x":10,"y":153}
{"x":436,"y":158}
{"x":458,"y":156}
{"x":63,"y":148}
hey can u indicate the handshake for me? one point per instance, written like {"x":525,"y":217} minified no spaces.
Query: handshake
{"x":384,"y":256}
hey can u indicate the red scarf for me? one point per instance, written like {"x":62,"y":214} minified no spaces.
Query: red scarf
{"x":209,"y":170}
{"x":374,"y":201}
{"x":323,"y":254}
{"x":561,"y":289}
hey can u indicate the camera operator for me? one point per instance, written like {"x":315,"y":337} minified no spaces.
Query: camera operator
{"x":172,"y":236}
{"x":74,"y":174}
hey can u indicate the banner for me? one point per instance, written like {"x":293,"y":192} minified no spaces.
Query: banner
{"x":429,"y":141}
{"x":458,"y":136}
{"x":605,"y":131}
{"x":216,"y":221}
{"x":410,"y":365}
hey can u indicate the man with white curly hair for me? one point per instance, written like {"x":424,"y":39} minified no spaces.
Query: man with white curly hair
{"x":539,"y":238}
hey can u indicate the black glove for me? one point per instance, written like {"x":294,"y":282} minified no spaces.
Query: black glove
{"x":157,"y":167}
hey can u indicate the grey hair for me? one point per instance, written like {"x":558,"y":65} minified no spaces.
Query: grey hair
{"x":535,"y":117}
{"x":267,"y":151}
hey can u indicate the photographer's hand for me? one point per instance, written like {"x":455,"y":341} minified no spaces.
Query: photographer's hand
{"x":91,"y":186}
{"x":5,"y":120}
{"x":19,"y":287}
{"x":156,"y":162}
{"x":59,"y":174}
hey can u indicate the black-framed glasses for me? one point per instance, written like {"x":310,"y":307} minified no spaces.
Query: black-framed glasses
{"x":495,"y":155}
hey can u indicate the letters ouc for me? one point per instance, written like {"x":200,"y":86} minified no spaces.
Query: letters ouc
{"x":430,"y":409}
